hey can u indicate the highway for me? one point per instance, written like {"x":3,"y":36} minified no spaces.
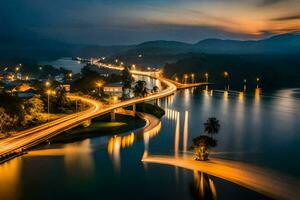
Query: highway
{"x":255,"y":178}
{"x":34,"y":136}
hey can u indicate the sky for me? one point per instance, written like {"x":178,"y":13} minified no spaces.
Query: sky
{"x":113,"y":22}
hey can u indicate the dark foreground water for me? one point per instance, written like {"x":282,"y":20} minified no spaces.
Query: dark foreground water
{"x":263,"y":130}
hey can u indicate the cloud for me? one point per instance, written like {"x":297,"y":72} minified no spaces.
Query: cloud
{"x":287,"y":18}
{"x":269,"y":2}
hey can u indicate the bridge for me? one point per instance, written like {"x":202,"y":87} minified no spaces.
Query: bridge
{"x":29,"y":138}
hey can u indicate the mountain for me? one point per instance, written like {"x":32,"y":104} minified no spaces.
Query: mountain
{"x":39,"y":47}
{"x":279,"y":44}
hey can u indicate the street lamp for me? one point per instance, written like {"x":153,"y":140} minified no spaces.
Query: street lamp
{"x":99,"y":85}
{"x":185,"y":78}
{"x":47,"y":83}
{"x":133,"y":66}
{"x":257,"y":82}
{"x":226,"y":75}
{"x":206,"y":77}
{"x":193,"y":76}
{"x":70,"y":75}
{"x":49,"y":92}
{"x":245,"y":85}
{"x":115,"y":99}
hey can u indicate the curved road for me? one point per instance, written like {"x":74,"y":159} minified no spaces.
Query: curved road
{"x":263,"y":181}
{"x":41,"y":133}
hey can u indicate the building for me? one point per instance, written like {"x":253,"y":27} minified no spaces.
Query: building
{"x":114,"y":89}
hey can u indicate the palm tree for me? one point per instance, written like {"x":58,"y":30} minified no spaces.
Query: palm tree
{"x":211,"y":126}
{"x":140,"y":89}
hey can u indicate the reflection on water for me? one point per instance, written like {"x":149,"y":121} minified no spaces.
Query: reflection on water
{"x":77,"y":157}
{"x":117,"y":143}
{"x":177,"y":132}
{"x":185,"y":131}
{"x":10,"y":175}
{"x":203,"y":187}
{"x":249,"y":123}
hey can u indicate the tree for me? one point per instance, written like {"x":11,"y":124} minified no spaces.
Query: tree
{"x":6,"y":122}
{"x":127,"y":78}
{"x":140,"y":89}
{"x":34,"y":107}
{"x":211,"y":126}
{"x":203,"y":143}
{"x":155,"y":89}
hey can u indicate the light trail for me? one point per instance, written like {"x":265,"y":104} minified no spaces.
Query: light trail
{"x":34,"y":136}
{"x":263,"y":181}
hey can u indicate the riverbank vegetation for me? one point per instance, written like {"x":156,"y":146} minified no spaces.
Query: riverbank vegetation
{"x":101,"y":126}
{"x":21,"y":113}
{"x":154,"y":110}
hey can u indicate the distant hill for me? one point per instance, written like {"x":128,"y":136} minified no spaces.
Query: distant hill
{"x":280,"y":44}
{"x":39,"y":47}
{"x":161,"y":51}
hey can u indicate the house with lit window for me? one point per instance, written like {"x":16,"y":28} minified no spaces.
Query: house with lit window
{"x":113,"y":89}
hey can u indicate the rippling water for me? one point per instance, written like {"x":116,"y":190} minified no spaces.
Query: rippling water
{"x":259,"y":129}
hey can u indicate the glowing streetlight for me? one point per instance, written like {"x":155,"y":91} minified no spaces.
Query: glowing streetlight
{"x":47,"y":83}
{"x":245,"y":85}
{"x":176,"y":79}
{"x":116,"y":60}
{"x":133,"y":66}
{"x":99,"y":85}
{"x":49,"y":92}
{"x":206,"y":77}
{"x":257,"y":82}
{"x":115,"y":99}
{"x":70,"y":75}
{"x":226,"y":75}
{"x":193,"y":77}
{"x":185,"y":78}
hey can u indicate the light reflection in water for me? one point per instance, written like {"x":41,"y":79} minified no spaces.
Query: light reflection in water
{"x":239,"y":119}
{"x":177,"y":132}
{"x":117,"y":143}
{"x":77,"y":157}
{"x":185,"y":131}
{"x":10,"y":173}
{"x":203,"y":186}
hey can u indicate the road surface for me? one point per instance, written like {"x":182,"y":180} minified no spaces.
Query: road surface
{"x":41,"y":133}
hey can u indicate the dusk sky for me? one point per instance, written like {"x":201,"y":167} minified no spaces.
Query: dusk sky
{"x":134,"y":21}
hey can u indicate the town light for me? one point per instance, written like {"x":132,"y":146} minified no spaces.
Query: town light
{"x":49,"y":92}
{"x":226,"y":74}
{"x":47,"y":83}
{"x":257,"y":82}
{"x":206,"y":77}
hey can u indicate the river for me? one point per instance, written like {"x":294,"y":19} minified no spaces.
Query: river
{"x":258,"y":129}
